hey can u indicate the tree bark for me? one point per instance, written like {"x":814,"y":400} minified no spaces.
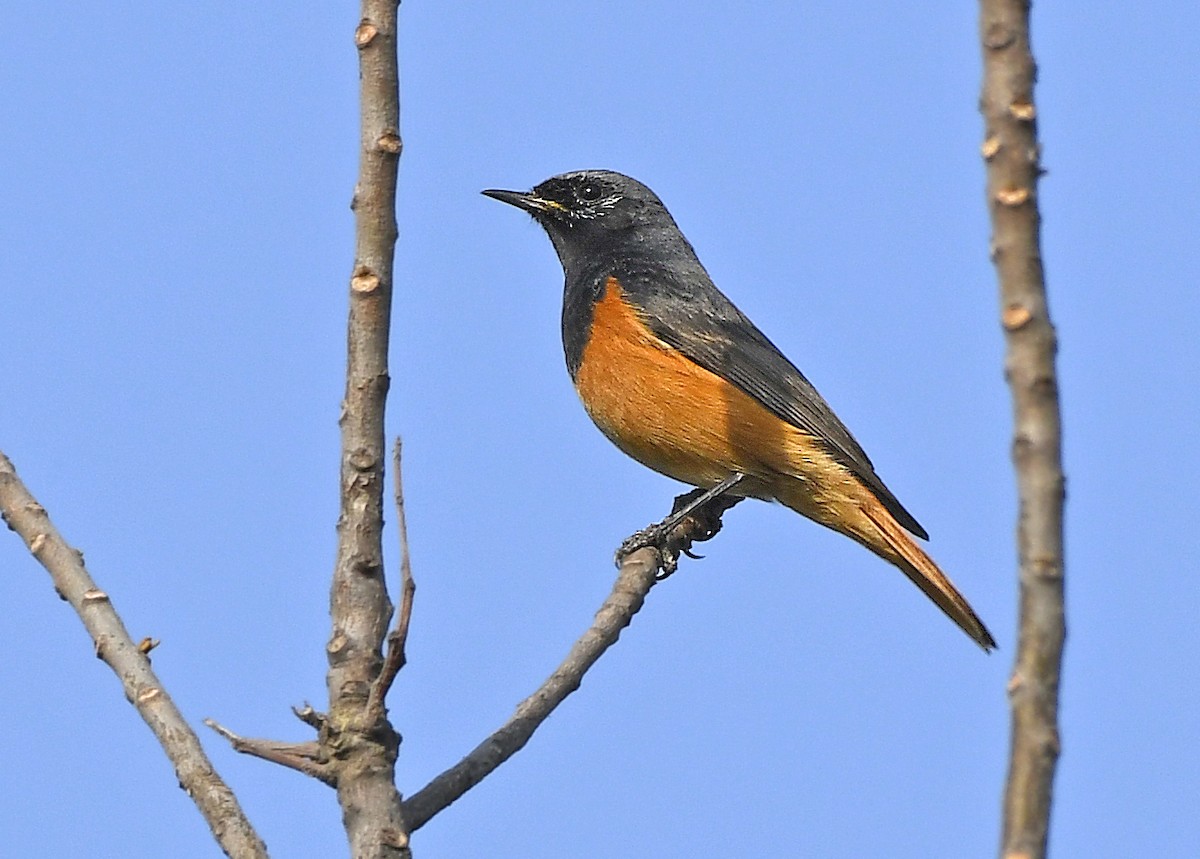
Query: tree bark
{"x":637,"y":576}
{"x":131,"y":663}
{"x":357,"y":739}
{"x":644,"y":559}
{"x":1012,"y":153}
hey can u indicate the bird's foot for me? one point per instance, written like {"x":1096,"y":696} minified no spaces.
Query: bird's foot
{"x":695,"y":517}
{"x":651,"y":537}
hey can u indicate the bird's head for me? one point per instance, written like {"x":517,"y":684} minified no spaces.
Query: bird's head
{"x":590,"y":213}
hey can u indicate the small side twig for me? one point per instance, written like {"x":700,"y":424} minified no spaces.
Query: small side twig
{"x":302,"y":757}
{"x":639,"y":572}
{"x":397,"y":639}
{"x":309,"y":716}
{"x":128,"y":660}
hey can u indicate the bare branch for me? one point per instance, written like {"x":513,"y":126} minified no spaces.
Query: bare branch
{"x":357,"y":740}
{"x":639,"y":571}
{"x":302,"y":757}
{"x":129,"y":661}
{"x":634,"y":581}
{"x":1012,"y":154}
{"x":398,"y":637}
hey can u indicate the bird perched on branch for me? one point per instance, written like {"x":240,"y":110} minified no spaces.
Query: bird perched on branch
{"x":680,"y":379}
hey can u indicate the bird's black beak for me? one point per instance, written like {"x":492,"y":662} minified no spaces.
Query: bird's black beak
{"x":526,"y":201}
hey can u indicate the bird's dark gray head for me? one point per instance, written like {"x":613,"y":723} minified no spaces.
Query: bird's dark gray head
{"x":592,"y":214}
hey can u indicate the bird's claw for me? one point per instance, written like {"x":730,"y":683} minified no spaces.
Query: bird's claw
{"x":654,"y":537}
{"x":695,"y":517}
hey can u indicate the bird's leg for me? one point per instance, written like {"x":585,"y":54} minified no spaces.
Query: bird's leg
{"x":700,"y":509}
{"x":684,"y":506}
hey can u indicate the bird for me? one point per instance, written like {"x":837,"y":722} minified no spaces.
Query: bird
{"x":683,"y":382}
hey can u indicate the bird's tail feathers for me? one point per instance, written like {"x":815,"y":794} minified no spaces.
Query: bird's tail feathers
{"x":925,"y":574}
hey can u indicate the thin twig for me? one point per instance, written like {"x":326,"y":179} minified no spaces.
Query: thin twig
{"x":638,"y":573}
{"x":123,"y":655}
{"x":637,"y":576}
{"x":397,"y":639}
{"x":357,"y":740}
{"x":302,"y":757}
{"x":1012,"y":153}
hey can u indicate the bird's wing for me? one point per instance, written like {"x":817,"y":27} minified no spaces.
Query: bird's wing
{"x":692,"y":315}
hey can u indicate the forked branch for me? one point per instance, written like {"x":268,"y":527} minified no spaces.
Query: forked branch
{"x":356,"y":738}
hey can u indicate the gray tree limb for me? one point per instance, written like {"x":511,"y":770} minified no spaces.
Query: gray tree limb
{"x":357,"y":740}
{"x":1012,"y":153}
{"x":636,"y":577}
{"x":130,"y":662}
{"x":639,"y":571}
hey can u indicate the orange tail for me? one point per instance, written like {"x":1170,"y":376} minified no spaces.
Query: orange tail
{"x":900,"y":549}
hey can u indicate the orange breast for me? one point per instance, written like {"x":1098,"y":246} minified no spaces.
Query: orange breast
{"x":668,"y":412}
{"x":676,"y":417}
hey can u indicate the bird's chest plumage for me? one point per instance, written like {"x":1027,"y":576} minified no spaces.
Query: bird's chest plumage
{"x":657,"y":405}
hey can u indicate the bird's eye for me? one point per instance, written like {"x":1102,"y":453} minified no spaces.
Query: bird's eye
{"x":589,"y":193}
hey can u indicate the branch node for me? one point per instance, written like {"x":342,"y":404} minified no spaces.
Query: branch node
{"x":337,"y":644}
{"x":999,"y":36}
{"x":390,"y":142}
{"x":1023,"y":111}
{"x":394,"y":838}
{"x":1015,"y":316}
{"x":309,"y":716}
{"x":1012,"y":196}
{"x":364,"y":281}
{"x":365,"y":33}
{"x":361,"y":460}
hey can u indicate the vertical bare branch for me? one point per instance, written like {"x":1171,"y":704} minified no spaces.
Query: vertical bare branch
{"x":129,"y":662}
{"x":357,"y":739}
{"x":1012,"y":153}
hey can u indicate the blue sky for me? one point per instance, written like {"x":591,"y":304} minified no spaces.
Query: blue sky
{"x":177,"y":242}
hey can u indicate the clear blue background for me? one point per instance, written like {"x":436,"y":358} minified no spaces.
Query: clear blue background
{"x":176,"y":247}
